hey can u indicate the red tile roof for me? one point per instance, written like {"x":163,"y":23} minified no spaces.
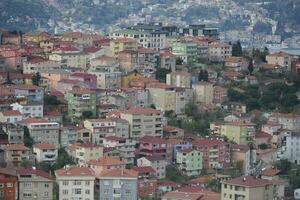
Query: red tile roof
{"x":282,"y":115}
{"x":152,"y":139}
{"x":248,"y":181}
{"x":119,"y":173}
{"x":32,"y":170}
{"x":44,"y":146}
{"x":106,"y":161}
{"x":167,"y":183}
{"x":279,"y":54}
{"x":11,"y":113}
{"x":91,"y":49}
{"x":207,"y":142}
{"x":270,"y":172}
{"x":262,"y":134}
{"x":143,"y":170}
{"x":8,"y":171}
{"x":141,"y":111}
{"x":12,"y":147}
{"x":188,"y":150}
{"x":74,"y":171}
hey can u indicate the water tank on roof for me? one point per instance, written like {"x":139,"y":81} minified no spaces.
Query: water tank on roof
{"x":297,"y":194}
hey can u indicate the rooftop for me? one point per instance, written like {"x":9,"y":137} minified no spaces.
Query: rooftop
{"x":74,"y":171}
{"x":106,"y":161}
{"x":44,"y":146}
{"x":33,"y":170}
{"x":11,"y":113}
{"x":125,"y":173}
{"x":248,"y":181}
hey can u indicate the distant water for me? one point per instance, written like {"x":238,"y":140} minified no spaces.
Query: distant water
{"x":292,"y":51}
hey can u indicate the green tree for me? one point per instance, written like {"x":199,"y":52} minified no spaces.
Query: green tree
{"x":173,"y":174}
{"x":161,"y":74}
{"x":237,"y":49}
{"x":28,"y":141}
{"x":63,"y":159}
{"x":234,"y":95}
{"x":51,"y":100}
{"x":284,"y":165}
{"x":36,"y":78}
{"x":250,"y":67}
{"x":179,"y":61}
{"x":87,"y":114}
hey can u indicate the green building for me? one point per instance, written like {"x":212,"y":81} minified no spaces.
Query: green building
{"x":81,"y":103}
{"x":187,"y":51}
{"x":189,"y":162}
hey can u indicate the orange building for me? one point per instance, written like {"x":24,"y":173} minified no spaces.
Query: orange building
{"x":8,"y":184}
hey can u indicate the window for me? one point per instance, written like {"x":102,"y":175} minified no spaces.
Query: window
{"x":27,"y":185}
{"x":46,"y":185}
{"x":65,"y":182}
{"x":76,"y":182}
{"x":77,"y":191}
{"x":106,"y":191}
{"x":46,"y":194}
{"x":87,"y":191}
{"x":1,"y":185}
{"x":65,"y":191}
{"x":106,"y":183}
{"x":117,"y":191}
{"x":87,"y":182}
{"x":27,"y":195}
{"x":9,"y":184}
{"x":128,"y":192}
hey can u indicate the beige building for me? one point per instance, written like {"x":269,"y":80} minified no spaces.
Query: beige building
{"x":281,"y":59}
{"x":203,"y":92}
{"x":14,"y":154}
{"x":143,"y":122}
{"x":34,"y":184}
{"x":84,"y":152}
{"x":218,"y":51}
{"x":75,"y":183}
{"x":251,"y":188}
{"x":179,"y":79}
{"x":38,"y":64}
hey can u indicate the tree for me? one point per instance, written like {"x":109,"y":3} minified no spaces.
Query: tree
{"x":36,"y":78}
{"x":161,"y":74}
{"x":284,"y":165}
{"x":250,"y":67}
{"x":63,"y":159}
{"x":152,"y":106}
{"x":87,"y":114}
{"x":28,"y":141}
{"x":201,"y":75}
{"x":179,"y":61}
{"x":51,"y":100}
{"x":205,"y":77}
{"x":173,"y":174}
{"x":237,"y":49}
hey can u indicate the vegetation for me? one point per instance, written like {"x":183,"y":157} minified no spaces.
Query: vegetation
{"x":87,"y":114}
{"x":203,"y":75}
{"x":28,"y":141}
{"x":161,"y":74}
{"x":237,"y":49}
{"x":36,"y":78}
{"x":51,"y":100}
{"x":173,"y":174}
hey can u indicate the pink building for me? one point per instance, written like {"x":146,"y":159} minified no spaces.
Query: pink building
{"x":152,"y":146}
{"x":89,"y":79}
{"x":104,"y":164}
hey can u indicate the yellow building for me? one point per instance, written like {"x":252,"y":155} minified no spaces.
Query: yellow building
{"x":252,"y":188}
{"x":238,"y":132}
{"x":36,"y":36}
{"x":125,"y":80}
{"x":84,"y":152}
{"x":203,"y":92}
{"x":179,"y":79}
{"x":120,"y":44}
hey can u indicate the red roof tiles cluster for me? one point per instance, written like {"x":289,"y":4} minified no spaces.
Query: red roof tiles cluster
{"x":75,"y":171}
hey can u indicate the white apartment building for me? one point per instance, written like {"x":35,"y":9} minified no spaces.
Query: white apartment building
{"x":84,"y":152}
{"x":45,"y":152}
{"x":292,"y":147}
{"x":10,"y":116}
{"x":218,"y":51}
{"x":75,"y":183}
{"x":32,"y":109}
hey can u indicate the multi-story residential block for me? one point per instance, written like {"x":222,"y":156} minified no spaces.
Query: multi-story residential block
{"x":147,"y":181}
{"x":120,"y":44}
{"x":84,"y":135}
{"x":30,"y":92}
{"x":189,"y":161}
{"x":218,"y":51}
{"x":88,"y":79}
{"x":68,"y":135}
{"x":170,"y":132}
{"x":288,"y":121}
{"x":14,"y":154}
{"x":216,"y":153}
{"x":167,"y":60}
{"x":157,"y":39}
{"x":10,"y":116}
{"x":14,"y":132}
{"x":280,"y":59}
{"x":142,"y":37}
{"x":45,"y":152}
{"x":102,"y":128}
{"x":152,"y":146}
{"x":158,"y":163}
{"x":292,"y":152}
{"x":36,"y":36}
{"x":81,"y":100}
{"x":118,"y":184}
{"x":143,"y":122}
{"x":244,"y":155}
{"x":186,"y":51}
{"x":169,"y":98}
{"x":8,"y":184}
{"x":236,"y":63}
{"x":75,"y":183}
{"x":29,"y":109}
{"x":220,"y":94}
{"x":34,"y":184}
{"x":38,"y":64}
{"x":128,"y":60}
{"x":105,"y":163}
{"x":179,"y":79}
{"x":84,"y":152}
{"x":252,"y":188}
{"x":42,"y":131}
{"x":125,"y":147}
{"x":137,"y":97}
{"x":203,"y":92}
{"x":107,"y":77}
{"x":237,"y":131}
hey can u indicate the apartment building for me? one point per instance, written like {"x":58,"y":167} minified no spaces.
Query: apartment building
{"x":244,"y":155}
{"x":143,"y":122}
{"x":118,"y":184}
{"x":75,"y":183}
{"x":30,"y":92}
{"x":45,"y":152}
{"x":68,"y":135}
{"x":107,"y":77}
{"x":84,"y":152}
{"x":10,"y":116}
{"x":81,"y":100}
{"x":38,"y":64}
{"x":185,"y":50}
{"x":34,"y":184}
{"x":105,"y":163}
{"x":252,"y":188}
{"x":8,"y":184}
{"x":42,"y":131}
{"x":218,"y":51}
{"x":14,"y":154}
{"x":14,"y":132}
{"x":29,"y":109}
{"x":125,"y":147}
{"x":280,"y":59}
{"x":288,"y":121}
{"x":203,"y":92}
{"x":152,"y":146}
{"x":158,"y":163}
{"x":216,"y":153}
{"x":140,"y":36}
{"x":147,"y":182}
{"x":179,"y":79}
{"x":190,"y":161}
{"x":292,"y":152}
{"x":102,"y":128}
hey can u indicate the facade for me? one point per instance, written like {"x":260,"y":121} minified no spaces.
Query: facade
{"x":107,"y":78}
{"x":34,"y":184}
{"x":14,"y":154}
{"x":10,"y":116}
{"x":236,"y":63}
{"x":8,"y":184}
{"x":218,"y":51}
{"x":67,"y":59}
{"x":186,"y":51}
{"x":147,"y":182}
{"x":251,"y":188}
{"x":102,"y":128}
{"x":203,"y":92}
{"x":68,"y":135}
{"x":190,"y":162}
{"x":158,"y":163}
{"x":31,"y":92}
{"x":105,"y":163}
{"x":14,"y":132}
{"x":143,"y":122}
{"x":292,"y":153}
{"x":45,"y":152}
{"x":281,"y":59}
{"x":288,"y":121}
{"x":152,"y":146}
{"x":118,"y":184}
{"x":242,"y":154}
{"x":75,"y":183}
{"x":179,"y":79}
{"x":84,"y":152}
{"x":29,"y":109}
{"x":81,"y":100}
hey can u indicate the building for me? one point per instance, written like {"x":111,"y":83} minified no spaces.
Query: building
{"x":14,"y":154}
{"x":34,"y":184}
{"x":105,"y":163}
{"x":107,"y":77}
{"x":172,"y":132}
{"x":179,"y":79}
{"x":125,"y":147}
{"x":42,"y":131}
{"x":216,"y":153}
{"x":242,"y":154}
{"x":141,"y":36}
{"x":84,"y":152}
{"x":10,"y":116}
{"x":147,"y":182}
{"x":38,"y":64}
{"x":152,"y":146}
{"x":282,"y":59}
{"x":81,"y":101}
{"x":143,"y":122}
{"x":190,"y":162}
{"x":252,"y":188}
{"x":45,"y":152}
{"x":14,"y":132}
{"x":203,"y":92}
{"x":68,"y":135}
{"x":292,"y":152}
{"x":186,"y":51}
{"x":288,"y":121}
{"x":75,"y":183}
{"x":31,"y":92}
{"x":220,"y":94}
{"x":236,"y":63}
{"x":218,"y":51}
{"x":167,"y":60}
{"x":120,"y":44}
{"x":191,"y":193}
{"x":102,"y":128}
{"x":118,"y":184}
{"x":158,"y":163}
{"x":8,"y":184}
